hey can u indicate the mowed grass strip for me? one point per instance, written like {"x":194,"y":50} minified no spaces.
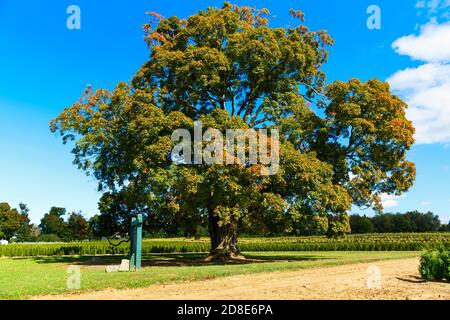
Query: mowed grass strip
{"x":22,"y":278}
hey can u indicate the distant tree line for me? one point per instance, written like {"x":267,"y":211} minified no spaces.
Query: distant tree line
{"x":117,"y":221}
{"x":15,"y":225}
{"x":58,"y":225}
{"x":412,"y":221}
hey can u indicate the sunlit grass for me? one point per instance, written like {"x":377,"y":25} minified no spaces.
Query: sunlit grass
{"x":21,"y":278}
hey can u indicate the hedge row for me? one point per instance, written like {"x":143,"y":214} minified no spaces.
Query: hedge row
{"x":407,"y":242}
{"x":373,"y":237}
{"x":95,"y":248}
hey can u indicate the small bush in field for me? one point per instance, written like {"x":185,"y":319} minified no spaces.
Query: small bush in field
{"x":435,"y":264}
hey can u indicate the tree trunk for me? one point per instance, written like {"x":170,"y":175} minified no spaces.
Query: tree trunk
{"x":223,"y":241}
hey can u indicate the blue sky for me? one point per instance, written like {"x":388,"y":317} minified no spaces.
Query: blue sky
{"x":44,"y":67}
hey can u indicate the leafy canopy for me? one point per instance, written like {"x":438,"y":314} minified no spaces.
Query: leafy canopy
{"x":229,"y":69}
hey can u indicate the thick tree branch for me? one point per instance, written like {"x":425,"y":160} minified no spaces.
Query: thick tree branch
{"x":256,"y":114}
{"x":311,"y":88}
{"x":233,"y":107}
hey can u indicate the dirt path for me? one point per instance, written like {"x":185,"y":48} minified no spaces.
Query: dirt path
{"x":399,"y":280}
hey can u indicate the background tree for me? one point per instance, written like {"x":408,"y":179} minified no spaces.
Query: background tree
{"x":94,"y":230}
{"x":77,"y":227}
{"x":445,"y":227}
{"x":424,"y":222}
{"x":360,"y":224}
{"x":53,"y":223}
{"x":24,"y":233}
{"x":10,"y":220}
{"x":230,"y":70}
{"x":411,"y":221}
{"x":35,"y":232}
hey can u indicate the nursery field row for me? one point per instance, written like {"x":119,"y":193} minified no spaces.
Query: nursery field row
{"x":371,"y":242}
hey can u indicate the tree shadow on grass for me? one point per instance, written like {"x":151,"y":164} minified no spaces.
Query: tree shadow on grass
{"x":171,"y":260}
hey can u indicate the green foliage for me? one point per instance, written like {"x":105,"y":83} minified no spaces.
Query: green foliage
{"x":54,"y":227}
{"x":369,"y":242}
{"x":445,"y":228}
{"x":412,"y":221}
{"x":360,"y":224}
{"x":435,"y":264}
{"x":365,"y":136}
{"x":229,"y":69}
{"x":25,"y":231}
{"x":53,"y":223}
{"x":10,"y":221}
{"x":77,"y":227}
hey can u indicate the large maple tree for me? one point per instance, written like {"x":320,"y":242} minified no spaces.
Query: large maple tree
{"x":340,"y":144}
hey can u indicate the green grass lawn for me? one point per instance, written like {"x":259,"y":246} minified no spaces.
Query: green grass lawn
{"x":21,"y":278}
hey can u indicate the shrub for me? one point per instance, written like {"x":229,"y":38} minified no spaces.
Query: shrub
{"x":435,"y":264}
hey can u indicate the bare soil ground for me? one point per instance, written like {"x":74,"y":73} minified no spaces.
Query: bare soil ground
{"x":394,"y":279}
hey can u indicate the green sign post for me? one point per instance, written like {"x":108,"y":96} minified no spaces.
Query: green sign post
{"x":136,"y":243}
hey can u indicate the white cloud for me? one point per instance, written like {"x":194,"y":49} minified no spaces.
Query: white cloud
{"x":422,"y":77}
{"x":432,"y":45}
{"x":389,"y":201}
{"x":426,"y":88}
{"x":425,"y":203}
